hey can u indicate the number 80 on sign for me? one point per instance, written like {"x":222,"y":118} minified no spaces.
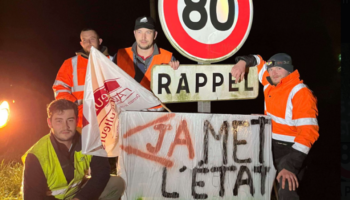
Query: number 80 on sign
{"x":206,"y":31}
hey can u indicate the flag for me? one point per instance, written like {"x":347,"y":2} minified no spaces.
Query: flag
{"x":108,"y":91}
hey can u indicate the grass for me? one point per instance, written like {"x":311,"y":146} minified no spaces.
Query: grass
{"x":10,"y":180}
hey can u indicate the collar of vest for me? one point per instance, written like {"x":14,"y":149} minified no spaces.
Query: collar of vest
{"x":81,"y":52}
{"x":292,"y":76}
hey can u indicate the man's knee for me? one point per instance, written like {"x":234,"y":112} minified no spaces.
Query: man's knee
{"x":286,"y":194}
{"x":114,"y":188}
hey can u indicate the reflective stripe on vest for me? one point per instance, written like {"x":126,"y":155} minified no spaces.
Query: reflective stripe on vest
{"x":287,"y":138}
{"x":58,"y":91}
{"x":301,"y":147}
{"x":261,"y":73}
{"x":265,"y":87}
{"x":296,"y":122}
{"x":57,"y":82}
{"x":76,"y":87}
{"x":64,"y":190}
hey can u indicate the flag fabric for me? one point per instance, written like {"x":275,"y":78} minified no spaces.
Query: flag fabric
{"x":108,"y":91}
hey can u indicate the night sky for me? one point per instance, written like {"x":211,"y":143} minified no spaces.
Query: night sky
{"x":37,"y":36}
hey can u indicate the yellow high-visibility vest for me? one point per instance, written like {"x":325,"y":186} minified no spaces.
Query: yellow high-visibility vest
{"x":56,"y":181}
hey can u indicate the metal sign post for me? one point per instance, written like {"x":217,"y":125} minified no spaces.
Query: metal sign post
{"x":203,"y":106}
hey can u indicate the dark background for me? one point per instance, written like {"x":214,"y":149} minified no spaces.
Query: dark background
{"x":345,"y":100}
{"x":37,"y":36}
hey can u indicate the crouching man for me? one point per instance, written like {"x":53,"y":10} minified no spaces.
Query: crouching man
{"x":55,"y":167}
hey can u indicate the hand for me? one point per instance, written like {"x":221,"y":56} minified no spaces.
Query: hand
{"x":238,"y":71}
{"x":292,"y":179}
{"x":174,"y":64}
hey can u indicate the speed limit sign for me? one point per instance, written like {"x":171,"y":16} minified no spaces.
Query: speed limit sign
{"x":206,"y":31}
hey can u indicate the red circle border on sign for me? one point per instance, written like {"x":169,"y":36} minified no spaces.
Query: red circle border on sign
{"x":201,"y":50}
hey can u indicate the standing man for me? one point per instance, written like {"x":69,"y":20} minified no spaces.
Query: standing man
{"x":55,"y":167}
{"x":138,"y":60}
{"x":70,"y":80}
{"x":292,"y":107}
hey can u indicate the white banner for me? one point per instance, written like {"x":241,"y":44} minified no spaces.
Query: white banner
{"x":108,"y":90}
{"x":195,"y":156}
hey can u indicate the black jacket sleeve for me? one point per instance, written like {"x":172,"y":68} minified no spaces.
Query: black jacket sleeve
{"x":100,"y":174}
{"x":115,"y":58}
{"x":250,"y":60}
{"x":293,"y":161}
{"x":34,"y":180}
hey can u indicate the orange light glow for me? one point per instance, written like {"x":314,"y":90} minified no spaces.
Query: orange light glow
{"x":4,"y":113}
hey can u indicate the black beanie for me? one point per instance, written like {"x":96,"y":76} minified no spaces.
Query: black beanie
{"x":281,"y":60}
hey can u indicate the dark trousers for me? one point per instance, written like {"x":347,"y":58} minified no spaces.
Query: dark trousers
{"x":279,"y":150}
{"x":113,"y":164}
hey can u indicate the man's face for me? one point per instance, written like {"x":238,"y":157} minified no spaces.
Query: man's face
{"x":89,"y":39}
{"x":145,"y":38}
{"x":277,"y":73}
{"x":63,"y":125}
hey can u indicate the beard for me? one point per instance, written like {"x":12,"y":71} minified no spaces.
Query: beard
{"x":87,"y":50}
{"x":66,"y":131}
{"x":275,"y":82}
{"x":146,"y":47}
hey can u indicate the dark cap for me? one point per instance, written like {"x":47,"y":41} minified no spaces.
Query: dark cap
{"x":144,"y":22}
{"x":281,"y":60}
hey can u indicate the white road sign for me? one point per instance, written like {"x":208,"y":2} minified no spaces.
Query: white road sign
{"x":202,"y":83}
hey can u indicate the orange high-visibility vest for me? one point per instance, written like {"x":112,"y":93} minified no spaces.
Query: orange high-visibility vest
{"x":70,"y":81}
{"x":125,"y":60}
{"x":292,"y":107}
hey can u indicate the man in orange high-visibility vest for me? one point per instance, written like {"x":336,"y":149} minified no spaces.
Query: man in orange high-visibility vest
{"x":138,"y":60}
{"x":70,"y":80}
{"x":292,"y":107}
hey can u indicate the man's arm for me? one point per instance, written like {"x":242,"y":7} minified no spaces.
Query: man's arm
{"x":100,"y":174}
{"x":63,"y":84}
{"x":239,"y":69}
{"x":304,"y":116}
{"x":174,"y":63}
{"x":34,"y":181}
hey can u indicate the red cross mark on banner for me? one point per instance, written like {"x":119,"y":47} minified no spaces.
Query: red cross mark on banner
{"x":182,"y":137}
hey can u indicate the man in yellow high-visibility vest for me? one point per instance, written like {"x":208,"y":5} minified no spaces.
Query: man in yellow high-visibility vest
{"x":55,"y":167}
